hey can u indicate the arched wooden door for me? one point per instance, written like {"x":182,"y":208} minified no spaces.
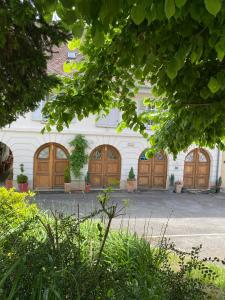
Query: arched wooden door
{"x":50,"y":162}
{"x":197,"y":169}
{"x":152,"y":173}
{"x":105,"y":166}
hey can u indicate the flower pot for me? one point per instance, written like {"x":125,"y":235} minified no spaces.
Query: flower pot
{"x":67,"y":187}
{"x":9,"y":184}
{"x":131,"y":185}
{"x":87,"y":188}
{"x":23,"y":187}
{"x":178,"y":187}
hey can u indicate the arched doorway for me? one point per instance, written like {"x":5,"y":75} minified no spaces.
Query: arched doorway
{"x":50,"y":162}
{"x":152,"y":173}
{"x":105,"y":166}
{"x":197,"y":169}
{"x":6,"y":162}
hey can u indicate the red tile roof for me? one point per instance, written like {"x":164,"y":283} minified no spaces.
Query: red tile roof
{"x":60,"y":55}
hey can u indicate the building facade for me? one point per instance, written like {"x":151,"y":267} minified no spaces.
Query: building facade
{"x":111,"y":154}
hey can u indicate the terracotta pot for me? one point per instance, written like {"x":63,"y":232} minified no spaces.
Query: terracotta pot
{"x":67,"y":187}
{"x":87,"y":188}
{"x":9,"y":184}
{"x":23,"y":187}
{"x":178,"y":188}
{"x":131,"y":185}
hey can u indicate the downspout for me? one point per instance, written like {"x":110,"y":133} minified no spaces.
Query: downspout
{"x":218,"y":164}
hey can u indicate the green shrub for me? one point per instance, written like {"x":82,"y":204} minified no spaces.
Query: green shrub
{"x":22,"y":178}
{"x":131,"y":175}
{"x":15,"y":208}
{"x":67,"y":177}
{"x":71,"y":258}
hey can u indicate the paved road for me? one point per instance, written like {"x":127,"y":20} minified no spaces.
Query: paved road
{"x":191,"y":219}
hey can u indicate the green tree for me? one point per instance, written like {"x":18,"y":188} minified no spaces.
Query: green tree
{"x":26,"y":41}
{"x":176,"y":46}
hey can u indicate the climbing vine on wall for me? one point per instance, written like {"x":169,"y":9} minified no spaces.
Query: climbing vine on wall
{"x":78,"y":156}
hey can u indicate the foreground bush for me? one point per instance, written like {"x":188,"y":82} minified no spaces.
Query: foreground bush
{"x":15,"y":208}
{"x":71,"y":258}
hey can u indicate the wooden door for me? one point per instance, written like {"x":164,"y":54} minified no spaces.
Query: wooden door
{"x":104,"y":167}
{"x":50,"y":162}
{"x":152,"y":173}
{"x":197,"y":169}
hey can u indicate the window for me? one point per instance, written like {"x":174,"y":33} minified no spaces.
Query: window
{"x":97,"y":155}
{"x":44,"y":154}
{"x":111,"y":120}
{"x":71,"y":54}
{"x":37,"y":114}
{"x":159,"y":156}
{"x":190,"y":157}
{"x":111,"y":155}
{"x":60,"y":154}
{"x":142,"y":156}
{"x":202,"y":157}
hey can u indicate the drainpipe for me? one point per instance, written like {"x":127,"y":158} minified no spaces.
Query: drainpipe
{"x":218,"y":164}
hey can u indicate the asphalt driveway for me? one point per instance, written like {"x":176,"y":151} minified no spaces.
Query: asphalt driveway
{"x":189,"y":219}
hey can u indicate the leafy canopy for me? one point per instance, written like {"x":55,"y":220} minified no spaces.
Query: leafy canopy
{"x":175,"y":46}
{"x":26,"y":42}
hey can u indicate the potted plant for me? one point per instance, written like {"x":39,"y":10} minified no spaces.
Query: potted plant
{"x":171,"y":182}
{"x":178,"y":186}
{"x":131,"y":181}
{"x":9,"y":180}
{"x":87,"y":183}
{"x":218,"y":184}
{"x":67,"y":180}
{"x":22,"y":180}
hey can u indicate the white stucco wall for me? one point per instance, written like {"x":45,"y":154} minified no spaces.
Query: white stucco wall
{"x":24,"y":144}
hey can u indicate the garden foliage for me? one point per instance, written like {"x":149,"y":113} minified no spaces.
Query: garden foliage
{"x":15,"y":209}
{"x":65,"y":257}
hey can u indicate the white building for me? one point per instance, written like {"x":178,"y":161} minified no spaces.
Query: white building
{"x":112,"y":154}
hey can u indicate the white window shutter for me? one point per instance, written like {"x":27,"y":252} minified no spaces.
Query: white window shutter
{"x":111,"y":120}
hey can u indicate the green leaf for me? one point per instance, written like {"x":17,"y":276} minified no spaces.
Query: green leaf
{"x":169,"y":8}
{"x":180,"y":57}
{"x":78,"y":29}
{"x":205,"y":93}
{"x":171,"y":70}
{"x":67,"y":67}
{"x":213,"y":6}
{"x":67,"y":3}
{"x":180,"y":3}
{"x":220,"y":48}
{"x":213,"y":85}
{"x":220,"y":76}
{"x":98,"y":37}
{"x":59,"y":127}
{"x":138,"y":14}
{"x":74,"y":44}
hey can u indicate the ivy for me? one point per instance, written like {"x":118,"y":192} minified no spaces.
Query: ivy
{"x":78,"y":156}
